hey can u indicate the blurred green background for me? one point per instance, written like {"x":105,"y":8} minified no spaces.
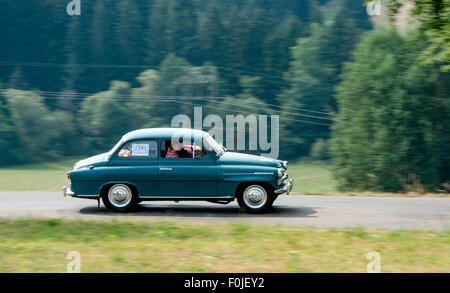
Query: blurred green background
{"x":368,"y":95}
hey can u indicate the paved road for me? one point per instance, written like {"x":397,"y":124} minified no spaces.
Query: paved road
{"x":298,"y":210}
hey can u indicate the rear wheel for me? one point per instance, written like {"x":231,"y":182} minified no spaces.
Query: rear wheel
{"x":119,"y":198}
{"x":255,"y":199}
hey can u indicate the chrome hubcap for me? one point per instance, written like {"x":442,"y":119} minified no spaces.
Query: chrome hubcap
{"x":255,"y":196}
{"x":119,"y":195}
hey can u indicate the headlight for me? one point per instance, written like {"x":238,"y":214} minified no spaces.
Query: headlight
{"x":280,"y":172}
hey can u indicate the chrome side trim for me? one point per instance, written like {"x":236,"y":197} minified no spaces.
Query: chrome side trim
{"x":86,"y":196}
{"x":186,"y":197}
{"x":248,"y":173}
{"x":231,"y":174}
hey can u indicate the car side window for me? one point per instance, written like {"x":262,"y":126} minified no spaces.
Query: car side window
{"x":176,"y":149}
{"x":139,"y":149}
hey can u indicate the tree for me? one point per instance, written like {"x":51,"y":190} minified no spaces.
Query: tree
{"x":106,"y":116}
{"x":319,"y":150}
{"x":236,"y":33}
{"x":126,"y":34}
{"x":386,"y":136}
{"x":38,"y":129}
{"x":8,"y":136}
{"x":357,"y":12}
{"x":245,"y":108}
{"x":307,"y":87}
{"x":182,"y":30}
{"x":211,"y":36}
{"x":258,"y":27}
{"x":434,"y":25}
{"x":144,"y":104}
{"x":181,"y":86}
{"x":157,"y":34}
{"x":17,"y":80}
{"x":313,"y":74}
{"x":71,"y":74}
{"x":277,"y":57}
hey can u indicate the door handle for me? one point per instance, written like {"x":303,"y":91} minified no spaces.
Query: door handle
{"x":165,"y":169}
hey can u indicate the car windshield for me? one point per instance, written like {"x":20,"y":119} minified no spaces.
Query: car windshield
{"x":213,"y":146}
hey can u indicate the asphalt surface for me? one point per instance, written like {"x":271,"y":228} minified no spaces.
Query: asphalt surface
{"x":426,"y":213}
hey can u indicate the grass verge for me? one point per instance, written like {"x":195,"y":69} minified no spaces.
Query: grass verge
{"x":46,"y":176}
{"x":32,"y":245}
{"x":312,"y":178}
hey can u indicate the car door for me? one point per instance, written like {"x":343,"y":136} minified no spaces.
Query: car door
{"x":136,"y":163}
{"x":191,"y":177}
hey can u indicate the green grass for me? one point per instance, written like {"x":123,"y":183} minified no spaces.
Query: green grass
{"x":33,"y":245}
{"x":310,"y":177}
{"x":46,"y":176}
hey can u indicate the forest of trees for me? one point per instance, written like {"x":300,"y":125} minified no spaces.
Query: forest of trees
{"x":361,"y":97}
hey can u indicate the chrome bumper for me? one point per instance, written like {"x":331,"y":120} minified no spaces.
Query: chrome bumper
{"x":282,"y":179}
{"x":286,"y":188}
{"x":67,"y":191}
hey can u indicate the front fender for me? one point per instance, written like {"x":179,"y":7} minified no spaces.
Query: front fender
{"x":230,"y":177}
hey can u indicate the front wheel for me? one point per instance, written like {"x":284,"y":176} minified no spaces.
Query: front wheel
{"x":119,"y":198}
{"x":255,"y":199}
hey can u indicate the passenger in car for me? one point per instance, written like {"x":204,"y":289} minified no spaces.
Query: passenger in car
{"x":182,"y":150}
{"x":171,"y":153}
{"x":177,"y":149}
{"x":124,"y":153}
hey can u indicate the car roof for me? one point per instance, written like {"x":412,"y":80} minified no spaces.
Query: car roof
{"x":167,"y":133}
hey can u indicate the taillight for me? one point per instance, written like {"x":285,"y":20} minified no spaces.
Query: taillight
{"x":68,"y":175}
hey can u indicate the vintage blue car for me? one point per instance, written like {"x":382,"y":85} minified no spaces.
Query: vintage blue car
{"x":177,"y":164}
